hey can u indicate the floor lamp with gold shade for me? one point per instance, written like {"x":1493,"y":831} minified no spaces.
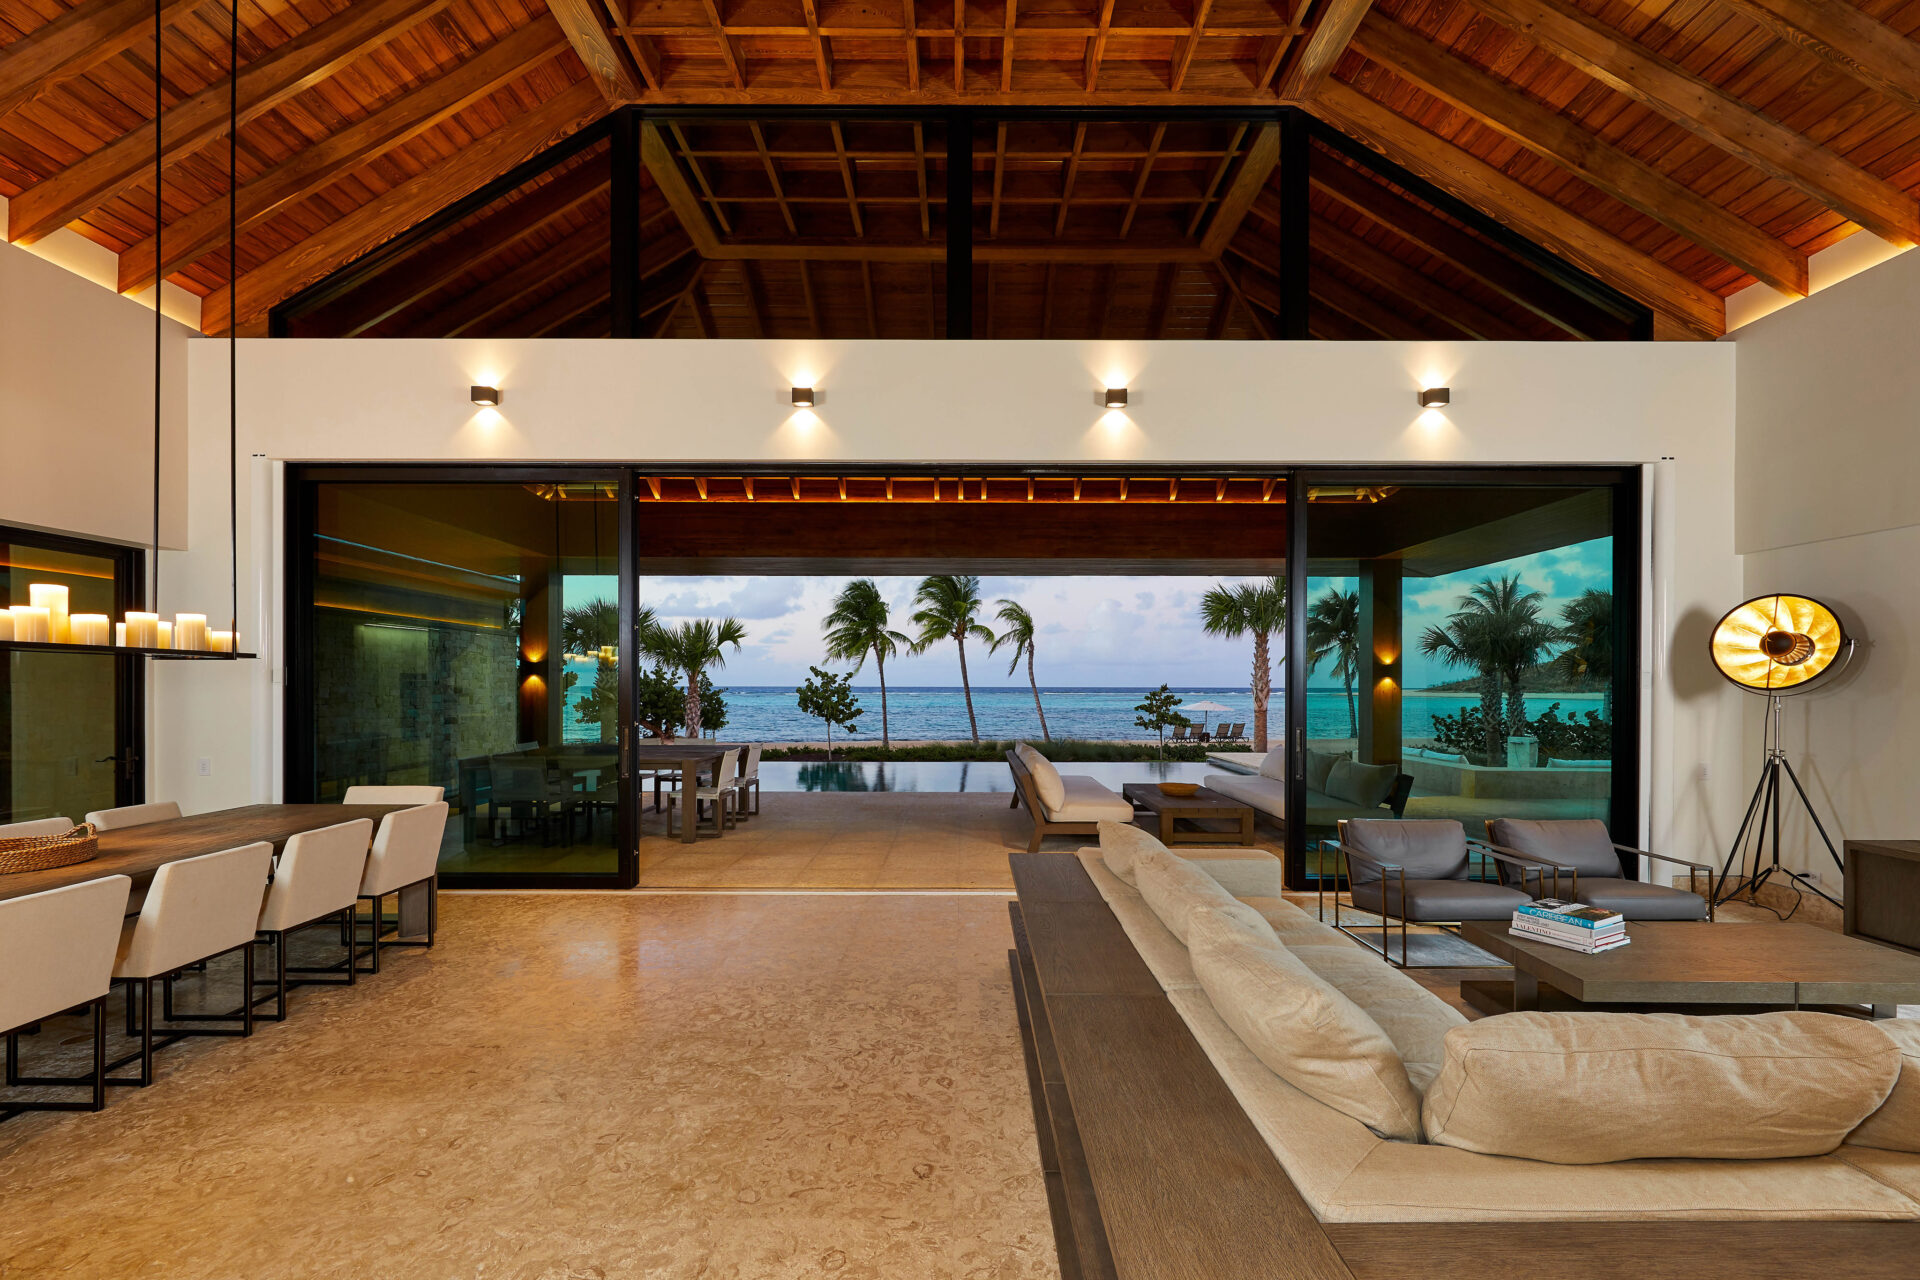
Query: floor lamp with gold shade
{"x":1777,"y":646}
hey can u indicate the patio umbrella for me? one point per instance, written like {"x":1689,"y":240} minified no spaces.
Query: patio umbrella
{"x":1207,"y":709}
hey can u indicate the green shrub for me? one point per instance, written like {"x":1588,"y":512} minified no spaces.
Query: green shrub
{"x":1060,"y":751}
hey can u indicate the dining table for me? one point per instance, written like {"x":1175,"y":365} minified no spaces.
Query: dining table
{"x":139,"y":852}
{"x":692,"y":758}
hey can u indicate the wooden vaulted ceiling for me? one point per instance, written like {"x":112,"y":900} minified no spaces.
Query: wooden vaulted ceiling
{"x":1677,"y":150}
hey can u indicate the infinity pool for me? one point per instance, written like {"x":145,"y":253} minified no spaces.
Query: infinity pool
{"x":946,"y":775}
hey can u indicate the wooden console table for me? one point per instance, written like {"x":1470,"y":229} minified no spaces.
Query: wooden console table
{"x":1883,"y":892}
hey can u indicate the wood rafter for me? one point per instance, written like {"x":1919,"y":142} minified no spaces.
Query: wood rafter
{"x":1140,"y":180}
{"x":847,"y":178}
{"x":729,"y":49}
{"x":608,"y":62}
{"x":773,"y":177}
{"x":76,"y":42}
{"x":822,"y":51}
{"x":1097,"y":47}
{"x":1006,"y":47}
{"x":1263,"y":156}
{"x":1187,"y":46}
{"x":1334,"y":22}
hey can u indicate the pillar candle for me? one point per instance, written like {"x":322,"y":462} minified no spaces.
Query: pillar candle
{"x":30,"y":623}
{"x":143,"y":630}
{"x":165,"y":637}
{"x":6,"y":624}
{"x":120,"y":634}
{"x":88,"y":628}
{"x":221,"y":641}
{"x":190,"y":631}
{"x":52,"y":598}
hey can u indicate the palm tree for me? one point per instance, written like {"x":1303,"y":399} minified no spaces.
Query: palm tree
{"x":1497,"y":631}
{"x":856,"y":627}
{"x":1586,"y":625}
{"x":693,"y":647}
{"x":1018,"y":632}
{"x":1259,"y":608}
{"x":950,"y":610}
{"x":1333,"y":630}
{"x":1461,"y":643}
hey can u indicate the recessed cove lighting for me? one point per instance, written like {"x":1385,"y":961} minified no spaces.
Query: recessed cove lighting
{"x":486,"y":397}
{"x":803,"y":397}
{"x":1116,"y":398}
{"x":1435,"y":397}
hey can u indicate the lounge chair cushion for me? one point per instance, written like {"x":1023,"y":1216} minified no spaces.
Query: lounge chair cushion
{"x":1268,"y":795}
{"x":1582,"y":843}
{"x":1896,"y":1125}
{"x":1173,"y":886}
{"x":1122,"y":843}
{"x":1274,"y":764}
{"x":1046,"y":779}
{"x":1319,"y":765}
{"x":1593,"y":1088}
{"x":1638,"y":900}
{"x":1434,"y":849}
{"x":1085,"y":800}
{"x":1304,"y":1029}
{"x":1437,"y":900}
{"x":1365,"y":785}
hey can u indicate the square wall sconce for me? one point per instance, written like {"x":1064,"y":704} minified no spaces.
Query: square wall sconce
{"x":1436,"y":397}
{"x":1115,"y":398}
{"x":803,"y":397}
{"x":485,"y":397}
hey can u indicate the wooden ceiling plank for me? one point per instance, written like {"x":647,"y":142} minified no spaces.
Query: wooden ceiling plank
{"x":700,"y":176}
{"x":773,"y":176}
{"x":1097,"y":47}
{"x":1223,"y":299}
{"x":657,"y":156}
{"x":372,"y":224}
{"x":1416,"y":286}
{"x":590,"y":31}
{"x":1534,"y":216}
{"x":1140,"y":182}
{"x":1232,"y":283}
{"x":306,"y":172}
{"x":576,"y":300}
{"x":1006,"y":47}
{"x":703,"y":311}
{"x":1870,"y":51}
{"x":76,"y":42}
{"x":814,"y":329}
{"x":729,"y":50}
{"x":822,"y":51}
{"x":471,"y":311}
{"x":959,"y":46}
{"x":1185,"y":47}
{"x":920,"y":177}
{"x":999,"y":178}
{"x":1712,"y":113}
{"x":846,"y":179}
{"x":912,"y":43}
{"x":1558,"y":138}
{"x":1263,"y":156}
{"x":1160,"y":310}
{"x":1215,"y":179}
{"x":1071,"y":172}
{"x":1334,"y":24}
{"x":866,"y":290}
{"x":756,"y":305}
{"x":300,"y":63}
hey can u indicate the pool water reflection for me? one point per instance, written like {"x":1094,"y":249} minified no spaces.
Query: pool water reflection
{"x":956,"y":775}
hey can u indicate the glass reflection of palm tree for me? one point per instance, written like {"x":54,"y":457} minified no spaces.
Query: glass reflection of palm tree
{"x":1333,"y":630}
{"x":592,"y":629}
{"x":1495,"y":630}
{"x":857,"y":627}
{"x":1018,"y":632}
{"x":949,"y":609}
{"x":1259,"y":609}
{"x":1586,"y":625}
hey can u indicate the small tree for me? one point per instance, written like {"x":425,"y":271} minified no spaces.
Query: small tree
{"x":713,"y":706}
{"x":1157,"y":714}
{"x":830,"y":698}
{"x":659,"y":703}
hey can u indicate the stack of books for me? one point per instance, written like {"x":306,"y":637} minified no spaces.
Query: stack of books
{"x":1572,"y":925}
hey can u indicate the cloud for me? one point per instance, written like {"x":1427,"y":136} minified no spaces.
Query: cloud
{"x":749,"y":598}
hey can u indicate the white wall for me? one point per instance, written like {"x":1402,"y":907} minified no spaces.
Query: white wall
{"x":916,"y":402}
{"x":76,"y":407}
{"x":1828,"y":504}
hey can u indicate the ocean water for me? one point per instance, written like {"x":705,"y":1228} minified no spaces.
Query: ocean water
{"x":768,"y":714}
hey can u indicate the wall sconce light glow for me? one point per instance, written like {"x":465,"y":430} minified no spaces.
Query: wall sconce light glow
{"x":1435,"y":397}
{"x":1115,"y":398}
{"x":485,"y":397}
{"x":803,"y":397}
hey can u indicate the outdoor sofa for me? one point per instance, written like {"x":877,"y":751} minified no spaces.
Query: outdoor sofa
{"x":1336,"y":788}
{"x":1070,"y":804}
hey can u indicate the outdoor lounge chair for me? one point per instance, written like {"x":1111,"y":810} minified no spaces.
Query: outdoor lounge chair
{"x":1594,"y":871}
{"x":1421,"y":872}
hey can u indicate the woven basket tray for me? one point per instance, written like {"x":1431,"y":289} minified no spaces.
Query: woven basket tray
{"x":42,"y":853}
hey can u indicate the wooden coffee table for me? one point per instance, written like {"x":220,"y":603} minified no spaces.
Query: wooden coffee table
{"x":1695,"y":967}
{"x":1202,"y":814}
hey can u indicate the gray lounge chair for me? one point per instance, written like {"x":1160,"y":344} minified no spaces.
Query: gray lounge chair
{"x":1588,"y":868}
{"x":1421,"y":872}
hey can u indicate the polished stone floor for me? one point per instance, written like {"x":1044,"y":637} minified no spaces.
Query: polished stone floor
{"x":574,"y":1086}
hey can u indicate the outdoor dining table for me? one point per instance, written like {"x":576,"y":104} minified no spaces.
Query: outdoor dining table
{"x":691,"y":758}
{"x":139,"y":852}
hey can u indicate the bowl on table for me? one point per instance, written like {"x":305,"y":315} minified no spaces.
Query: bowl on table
{"x":1179,"y":788}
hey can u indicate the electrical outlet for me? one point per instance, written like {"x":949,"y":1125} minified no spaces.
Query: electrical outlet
{"x":206,"y":767}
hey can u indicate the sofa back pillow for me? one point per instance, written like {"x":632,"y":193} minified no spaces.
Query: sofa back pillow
{"x":1122,"y":845}
{"x":1319,"y":765}
{"x":1580,"y":843}
{"x":1304,"y":1029}
{"x":1274,"y":764}
{"x":1896,"y":1125}
{"x":1231,"y":920}
{"x":1173,"y":886}
{"x":1594,"y":1088}
{"x":1046,"y":778}
{"x":1428,"y":848}
{"x":1364,"y":785}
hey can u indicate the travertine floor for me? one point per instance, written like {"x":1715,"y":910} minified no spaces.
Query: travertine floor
{"x":580,"y":1086}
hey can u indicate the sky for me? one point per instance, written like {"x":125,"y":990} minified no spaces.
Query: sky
{"x":1093,"y":631}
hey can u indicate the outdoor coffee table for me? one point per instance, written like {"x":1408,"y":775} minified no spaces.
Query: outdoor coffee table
{"x":1696,"y":967}
{"x":1202,"y":814}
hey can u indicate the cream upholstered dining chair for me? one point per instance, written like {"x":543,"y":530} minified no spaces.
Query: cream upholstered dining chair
{"x":56,"y":950}
{"x":393,"y":795}
{"x":133,"y":815}
{"x":720,"y":795}
{"x":316,"y":878}
{"x":748,"y":783}
{"x":35,"y":828}
{"x":196,"y":909}
{"x":406,"y":852}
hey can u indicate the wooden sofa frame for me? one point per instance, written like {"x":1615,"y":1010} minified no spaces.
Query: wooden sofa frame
{"x":1153,"y":1171}
{"x":1025,"y":792}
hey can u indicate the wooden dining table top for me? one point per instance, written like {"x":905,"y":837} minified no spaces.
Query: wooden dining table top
{"x":140,"y":851}
{"x":678,"y":752}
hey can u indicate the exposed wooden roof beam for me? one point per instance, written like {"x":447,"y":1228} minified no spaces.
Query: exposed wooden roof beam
{"x":576,"y":300}
{"x":1417,"y":287}
{"x":756,"y":309}
{"x":1546,"y":223}
{"x":1871,"y":52}
{"x":1547,"y":133}
{"x":1333,"y":26}
{"x":1097,"y":47}
{"x":729,"y":49}
{"x":193,"y":236}
{"x":959,"y":46}
{"x":999,"y":178}
{"x":406,"y":204}
{"x":658,"y":158}
{"x":1071,"y":172}
{"x":822,"y":51}
{"x":1140,"y":181}
{"x":1263,"y":155}
{"x":912,"y":43}
{"x":1724,"y":120}
{"x":608,"y":64}
{"x":471,"y":310}
{"x":300,"y":63}
{"x":700,"y":176}
{"x":846,"y":178}
{"x":1006,"y":47}
{"x":920,"y":176}
{"x":1232,"y":285}
{"x":76,"y":42}
{"x":1185,"y":47}
{"x":773,"y":176}
{"x":1213,"y":182}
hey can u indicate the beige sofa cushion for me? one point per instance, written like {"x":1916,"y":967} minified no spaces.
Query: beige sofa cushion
{"x":1121,"y":843}
{"x":1304,"y":1029}
{"x":1274,"y":764}
{"x":1234,"y":920}
{"x":1298,"y":928}
{"x":1244,"y":873}
{"x":1896,"y":1125}
{"x":1590,"y":1088}
{"x":1165,"y":955}
{"x":1173,"y":886}
{"x":1415,"y":1020}
{"x":1047,"y":783}
{"x":1268,"y":795}
{"x":1088,"y":801}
